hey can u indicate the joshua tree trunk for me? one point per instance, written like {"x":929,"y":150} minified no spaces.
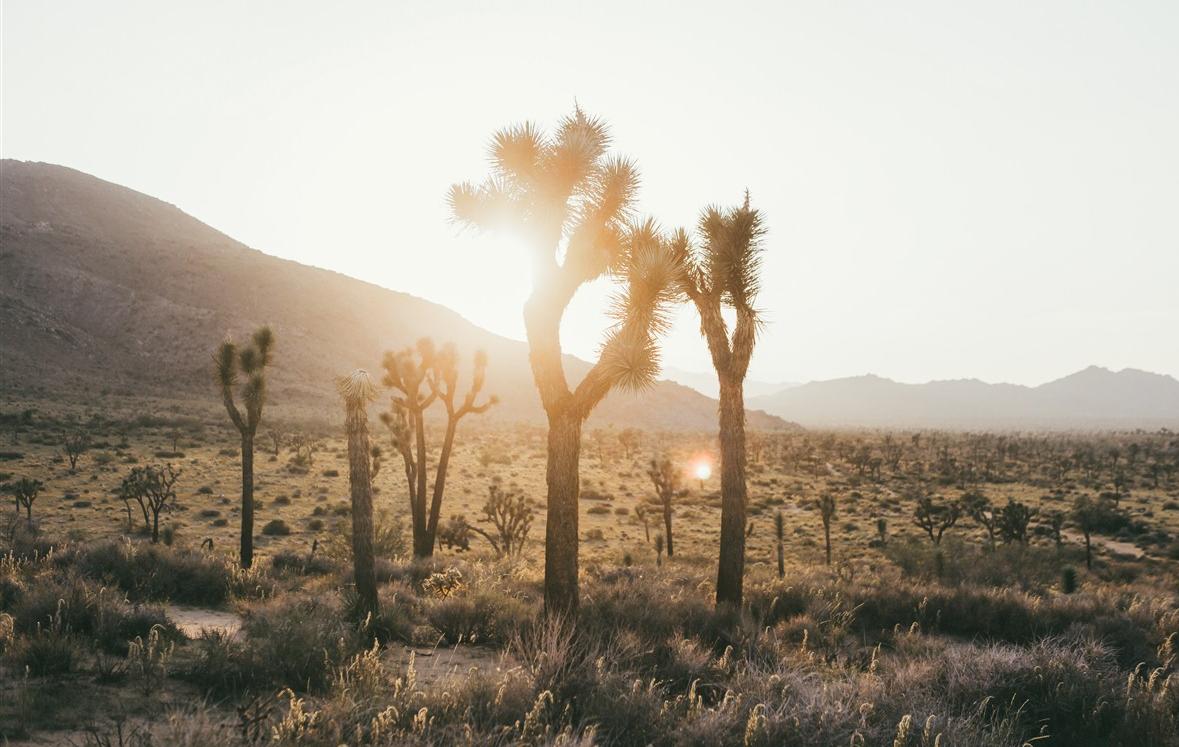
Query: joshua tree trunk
{"x":730,"y":576}
{"x":561,"y":476}
{"x":667,"y":530}
{"x":419,"y":514}
{"x":827,"y":539}
{"x":1088,"y":552}
{"x":247,"y":546}
{"x":360,"y":479}
{"x":781,"y":561}
{"x":439,"y":486}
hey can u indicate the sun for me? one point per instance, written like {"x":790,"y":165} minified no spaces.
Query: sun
{"x":703,"y":471}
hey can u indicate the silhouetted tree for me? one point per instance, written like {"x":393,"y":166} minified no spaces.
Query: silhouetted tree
{"x":423,"y":376}
{"x":511,"y":516}
{"x":250,"y":361}
{"x":153,"y":487}
{"x":1090,"y":515}
{"x":979,"y":508}
{"x":724,"y":272}
{"x":572,"y":203}
{"x":25,"y":491}
{"x":357,"y":391}
{"x":630,"y":439}
{"x":278,"y":439}
{"x":826,"y":506}
{"x":935,"y":518}
{"x":665,"y":477}
{"x":1014,"y":520}
{"x":779,"y":532}
{"x":74,"y":444}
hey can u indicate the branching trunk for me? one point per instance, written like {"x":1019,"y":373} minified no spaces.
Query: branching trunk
{"x":439,"y":486}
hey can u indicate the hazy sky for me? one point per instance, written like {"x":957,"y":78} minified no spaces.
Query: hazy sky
{"x":953,"y":189}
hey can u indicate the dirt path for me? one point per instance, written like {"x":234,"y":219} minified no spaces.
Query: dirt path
{"x":193,"y":620}
{"x":1114,"y":547}
{"x":433,"y":665}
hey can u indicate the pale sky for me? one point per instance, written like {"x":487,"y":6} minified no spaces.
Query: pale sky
{"x":953,"y":190}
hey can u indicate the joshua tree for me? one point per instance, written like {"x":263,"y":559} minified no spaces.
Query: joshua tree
{"x":153,"y":488}
{"x":26,"y":490}
{"x":724,"y":272}
{"x":250,"y":361}
{"x":1014,"y":520}
{"x":1089,"y":516}
{"x":779,"y":531}
{"x":882,"y":530}
{"x":826,"y":506}
{"x":978,"y":507}
{"x":572,"y":203}
{"x":666,"y":479}
{"x":74,"y":444}
{"x":357,"y":391}
{"x":278,"y":438}
{"x":629,"y":439}
{"x":935,"y":518}
{"x":304,"y":445}
{"x":406,"y":372}
{"x":1055,"y":525}
{"x":641,"y":512}
{"x":659,"y":549}
{"x":511,"y":516}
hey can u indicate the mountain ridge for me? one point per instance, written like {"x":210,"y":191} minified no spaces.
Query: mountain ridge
{"x":103,"y":287}
{"x":1092,"y":397}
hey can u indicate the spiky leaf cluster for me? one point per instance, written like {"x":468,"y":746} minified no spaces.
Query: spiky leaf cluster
{"x":234,"y":363}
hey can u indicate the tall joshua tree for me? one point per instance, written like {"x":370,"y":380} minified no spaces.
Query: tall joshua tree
{"x":233,"y":363}
{"x":572,"y":204}
{"x":406,"y":372}
{"x":723,"y":272}
{"x":357,"y":391}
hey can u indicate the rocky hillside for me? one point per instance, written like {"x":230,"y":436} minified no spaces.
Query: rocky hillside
{"x":104,"y":289}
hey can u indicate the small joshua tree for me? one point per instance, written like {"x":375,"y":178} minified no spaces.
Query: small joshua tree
{"x":630,"y":439}
{"x":659,"y":549}
{"x":74,"y":444}
{"x":882,"y":530}
{"x":779,"y":535}
{"x":26,"y":490}
{"x":278,"y":439}
{"x":511,"y":516}
{"x":357,"y":391}
{"x":1014,"y":520}
{"x":422,"y":376}
{"x":641,"y":513}
{"x":979,"y":508}
{"x":826,"y":506}
{"x":665,"y":476}
{"x":1055,"y":527}
{"x":153,"y":488}
{"x":724,"y":272}
{"x":1090,"y":515}
{"x":935,"y":518}
{"x":251,"y":362}
{"x":305,"y":446}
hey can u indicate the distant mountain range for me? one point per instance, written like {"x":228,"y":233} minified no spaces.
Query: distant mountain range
{"x":706,"y":383}
{"x":104,"y":289}
{"x":1093,"y":398}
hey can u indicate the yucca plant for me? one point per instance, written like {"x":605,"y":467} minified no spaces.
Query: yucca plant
{"x":232,"y":364}
{"x":357,"y":391}
{"x":723,"y":271}
{"x":421,"y":376}
{"x":572,"y":203}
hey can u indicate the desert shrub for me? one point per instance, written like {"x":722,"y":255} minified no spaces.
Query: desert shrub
{"x":276,"y":528}
{"x":388,"y":538}
{"x":158,"y":573}
{"x":484,"y":616}
{"x":291,"y":643}
{"x":85,"y":609}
